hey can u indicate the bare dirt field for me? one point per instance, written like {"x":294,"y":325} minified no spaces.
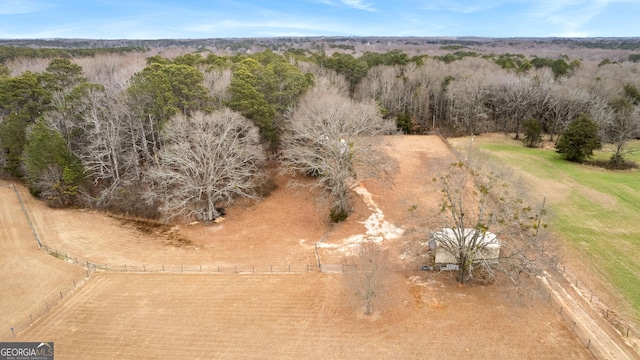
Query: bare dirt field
{"x":171,"y":316}
{"x":261,"y":234}
{"x":118,"y":315}
{"x":29,"y":276}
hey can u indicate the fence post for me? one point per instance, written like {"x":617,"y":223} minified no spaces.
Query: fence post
{"x":589,"y":343}
{"x":24,"y":209}
{"x":289,"y":268}
{"x":13,"y":333}
{"x":254,"y":268}
{"x":200,"y":267}
{"x":125,"y":268}
{"x":74,"y":284}
{"x":561,"y":310}
{"x":87,"y":272}
{"x":60,"y":294}
{"x":218,"y":268}
{"x":162,"y":267}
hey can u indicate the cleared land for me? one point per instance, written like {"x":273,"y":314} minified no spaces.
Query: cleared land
{"x":30,"y":277}
{"x":595,"y":216}
{"x":310,"y":315}
{"x":169,"y":316}
{"x":595,"y":213}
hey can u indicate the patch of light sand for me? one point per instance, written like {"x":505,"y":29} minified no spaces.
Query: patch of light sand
{"x":378,"y":229}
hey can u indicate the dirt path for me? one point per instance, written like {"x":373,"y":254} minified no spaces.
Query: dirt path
{"x":29,"y":277}
{"x":603,"y":340}
{"x":310,"y":316}
{"x":284,"y":228}
{"x":591,"y":328}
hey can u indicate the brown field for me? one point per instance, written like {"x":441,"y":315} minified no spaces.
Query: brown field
{"x":309,"y":315}
{"x":30,"y":276}
{"x":171,"y":316}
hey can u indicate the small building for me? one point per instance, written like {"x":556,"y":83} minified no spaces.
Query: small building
{"x":488,"y":242}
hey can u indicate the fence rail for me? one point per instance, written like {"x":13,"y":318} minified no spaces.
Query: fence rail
{"x":50,"y":302}
{"x":209,"y":269}
{"x":625,"y":329}
{"x":26,"y":214}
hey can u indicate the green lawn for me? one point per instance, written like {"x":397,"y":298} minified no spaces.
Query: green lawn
{"x":596,"y":211}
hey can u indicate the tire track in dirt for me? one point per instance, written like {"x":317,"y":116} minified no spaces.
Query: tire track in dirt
{"x":605,"y":342}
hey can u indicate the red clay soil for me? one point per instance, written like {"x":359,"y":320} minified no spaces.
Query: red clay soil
{"x":29,"y":277}
{"x":304,"y":316}
{"x":285,"y":316}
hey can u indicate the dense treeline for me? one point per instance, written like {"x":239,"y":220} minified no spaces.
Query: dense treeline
{"x":12,"y":52}
{"x":183,"y":136}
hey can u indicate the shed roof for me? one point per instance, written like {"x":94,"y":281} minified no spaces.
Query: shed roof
{"x":489,"y":240}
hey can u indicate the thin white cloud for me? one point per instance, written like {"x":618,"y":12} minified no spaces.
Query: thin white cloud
{"x":354,"y":4}
{"x":15,"y":7}
{"x":571,"y":16}
{"x":358,"y":4}
{"x":273,"y":27}
{"x":465,"y":7}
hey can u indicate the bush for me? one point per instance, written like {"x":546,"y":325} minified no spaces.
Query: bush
{"x":532,"y":133}
{"x":266,"y":187}
{"x":612,"y":165}
{"x":405,"y":124}
{"x":579,"y":140}
{"x":338,"y":215}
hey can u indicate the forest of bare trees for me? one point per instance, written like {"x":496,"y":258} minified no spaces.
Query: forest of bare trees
{"x":182,"y":132}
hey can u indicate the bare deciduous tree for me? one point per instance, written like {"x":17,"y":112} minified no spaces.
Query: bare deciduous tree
{"x":113,"y":71}
{"x":514,"y":100}
{"x":468,"y":97}
{"x":335,"y":139}
{"x":105,"y":150}
{"x":217,"y":81}
{"x":208,"y":161}
{"x":476,"y":202}
{"x":564,"y":105}
{"x":326,"y":80}
{"x":368,"y":278}
{"x":621,"y":126}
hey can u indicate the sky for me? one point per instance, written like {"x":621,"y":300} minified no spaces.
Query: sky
{"x":195,"y":19}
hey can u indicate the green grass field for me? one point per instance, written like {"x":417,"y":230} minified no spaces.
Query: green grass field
{"x":596,"y":211}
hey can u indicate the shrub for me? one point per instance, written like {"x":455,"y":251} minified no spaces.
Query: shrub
{"x":532,"y":133}
{"x":611,"y":165}
{"x":579,"y":140}
{"x":338,"y":215}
